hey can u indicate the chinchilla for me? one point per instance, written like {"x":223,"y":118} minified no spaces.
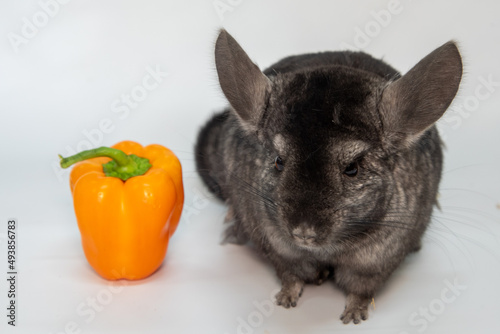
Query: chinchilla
{"x":329,"y":162}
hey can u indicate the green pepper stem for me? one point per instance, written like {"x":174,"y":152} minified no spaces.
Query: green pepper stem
{"x":122,"y":165}
{"x":119,"y":156}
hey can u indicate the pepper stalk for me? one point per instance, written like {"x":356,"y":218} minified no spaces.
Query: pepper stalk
{"x":122,"y":166}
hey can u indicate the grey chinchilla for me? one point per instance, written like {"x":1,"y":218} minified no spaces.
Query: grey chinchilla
{"x":329,"y":163}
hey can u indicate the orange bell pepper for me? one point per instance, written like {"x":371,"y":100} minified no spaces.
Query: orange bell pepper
{"x":127,"y":207}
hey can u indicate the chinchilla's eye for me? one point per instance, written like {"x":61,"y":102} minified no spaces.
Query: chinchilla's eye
{"x":352,"y":169}
{"x":278,"y":163}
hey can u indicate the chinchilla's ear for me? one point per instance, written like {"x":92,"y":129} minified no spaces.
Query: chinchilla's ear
{"x":413,"y":103}
{"x":242,"y":82}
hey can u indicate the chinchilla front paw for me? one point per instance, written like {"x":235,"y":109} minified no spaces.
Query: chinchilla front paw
{"x":289,"y":294}
{"x":356,"y":309}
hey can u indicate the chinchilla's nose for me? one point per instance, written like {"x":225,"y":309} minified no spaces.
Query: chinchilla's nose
{"x":304,"y":234}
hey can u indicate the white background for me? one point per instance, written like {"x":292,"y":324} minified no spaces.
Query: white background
{"x":66,"y":78}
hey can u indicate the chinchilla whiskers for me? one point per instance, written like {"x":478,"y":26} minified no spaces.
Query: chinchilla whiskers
{"x":474,"y":192}
{"x":400,"y":217}
{"x":463,"y":167}
{"x":460,"y":237}
{"x":366,"y":223}
{"x":438,"y":228}
{"x":367,"y":202}
{"x":452,"y":218}
{"x":399,"y":225}
{"x":252,"y":190}
{"x":257,"y":196}
{"x":482,"y":214}
{"x":461,"y":247}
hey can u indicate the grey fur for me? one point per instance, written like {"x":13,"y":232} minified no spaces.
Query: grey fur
{"x":320,"y":113}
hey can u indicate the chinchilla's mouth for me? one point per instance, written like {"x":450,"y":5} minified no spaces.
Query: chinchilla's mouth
{"x":307,"y":242}
{"x":304,"y":236}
